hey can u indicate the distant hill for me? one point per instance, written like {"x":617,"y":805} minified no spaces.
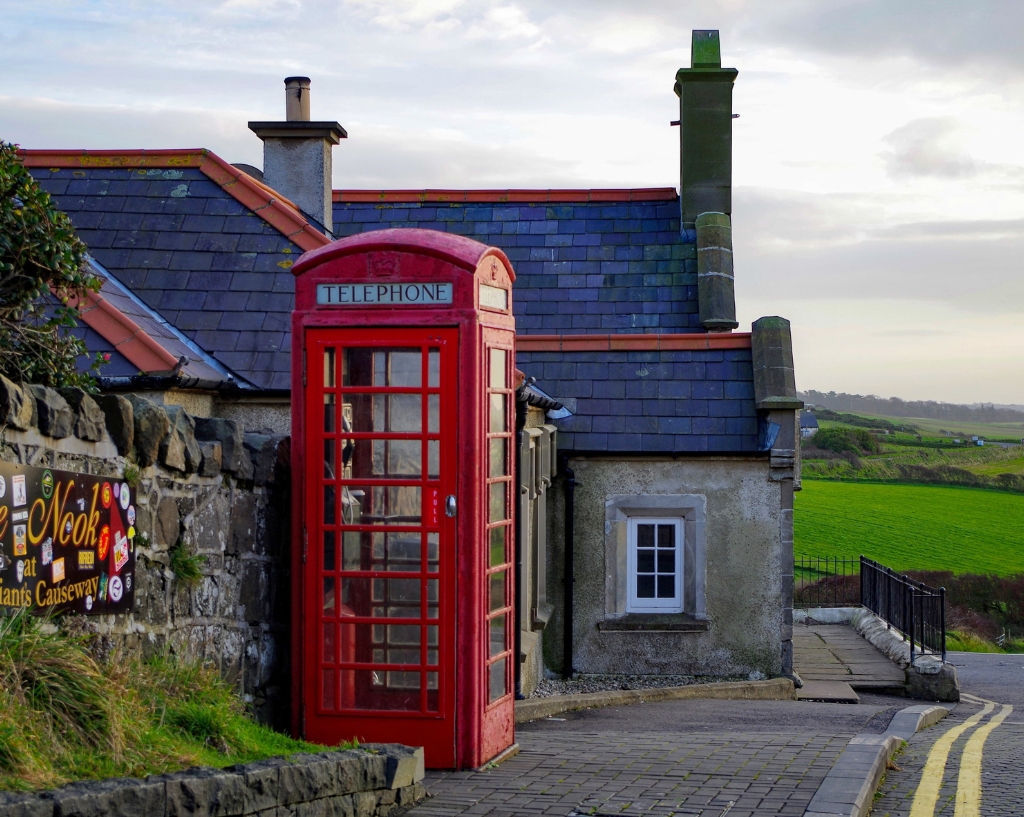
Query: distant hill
{"x":894,"y":407}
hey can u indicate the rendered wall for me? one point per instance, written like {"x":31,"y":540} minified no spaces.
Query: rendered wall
{"x":745,"y":573}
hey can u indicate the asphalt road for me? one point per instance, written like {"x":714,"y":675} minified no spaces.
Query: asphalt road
{"x":972,"y":762}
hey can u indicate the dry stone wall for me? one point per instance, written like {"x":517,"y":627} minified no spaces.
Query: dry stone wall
{"x":372,"y":781}
{"x":206,"y":491}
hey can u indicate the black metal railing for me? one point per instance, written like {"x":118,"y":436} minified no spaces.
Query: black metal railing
{"x":914,"y":609}
{"x":826,"y":581}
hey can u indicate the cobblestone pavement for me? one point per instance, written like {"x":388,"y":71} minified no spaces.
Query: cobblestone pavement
{"x":656,"y":774}
{"x":992,"y":678}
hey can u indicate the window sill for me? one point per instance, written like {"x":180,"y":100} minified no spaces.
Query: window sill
{"x":654,"y":622}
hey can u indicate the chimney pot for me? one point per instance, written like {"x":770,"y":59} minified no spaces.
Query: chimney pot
{"x":296,"y":99}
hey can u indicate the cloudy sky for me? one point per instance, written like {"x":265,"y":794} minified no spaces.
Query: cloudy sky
{"x":878,"y":176}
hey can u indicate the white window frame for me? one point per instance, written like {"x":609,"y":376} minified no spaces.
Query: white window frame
{"x":654,"y":605}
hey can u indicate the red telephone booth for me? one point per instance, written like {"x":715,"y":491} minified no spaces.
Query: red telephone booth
{"x":402,"y":425}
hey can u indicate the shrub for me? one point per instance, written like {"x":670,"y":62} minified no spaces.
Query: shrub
{"x":841,"y":440}
{"x":39,"y":253}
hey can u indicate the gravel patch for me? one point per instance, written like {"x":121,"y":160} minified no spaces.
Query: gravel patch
{"x":607,"y":683}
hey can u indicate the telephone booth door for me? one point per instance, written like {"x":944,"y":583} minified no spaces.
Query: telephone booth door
{"x":402,"y":418}
{"x":382,"y":549}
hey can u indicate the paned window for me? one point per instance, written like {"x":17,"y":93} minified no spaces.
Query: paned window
{"x":655,"y":562}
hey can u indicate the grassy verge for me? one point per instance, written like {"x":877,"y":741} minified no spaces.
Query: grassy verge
{"x":66,"y":716}
{"x":967,"y":641}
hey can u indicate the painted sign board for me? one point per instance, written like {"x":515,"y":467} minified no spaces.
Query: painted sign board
{"x":67,"y":541}
{"x":369,"y":294}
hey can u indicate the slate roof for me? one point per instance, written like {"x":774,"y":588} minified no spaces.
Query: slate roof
{"x":199,"y":242}
{"x":610,"y":261}
{"x":683,"y":394}
{"x":206,"y":251}
{"x":604,"y":264}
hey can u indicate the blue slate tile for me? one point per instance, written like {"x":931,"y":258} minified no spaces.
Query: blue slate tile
{"x":217,"y":242}
{"x":623,"y":442}
{"x":203,"y":224}
{"x":182,"y":300}
{"x":222,"y":205}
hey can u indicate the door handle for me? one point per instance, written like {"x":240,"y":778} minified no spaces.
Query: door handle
{"x":449,"y":505}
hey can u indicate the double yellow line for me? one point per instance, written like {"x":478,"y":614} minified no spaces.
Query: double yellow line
{"x":968,"y":787}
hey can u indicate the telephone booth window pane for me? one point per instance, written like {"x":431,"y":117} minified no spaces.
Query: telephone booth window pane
{"x":381,"y":689}
{"x":382,"y":505}
{"x":328,"y":595}
{"x":329,"y":657}
{"x":329,"y":368}
{"x":385,"y":413}
{"x":405,"y":458}
{"x":498,"y":546}
{"x":498,"y":378}
{"x":497,"y":635}
{"x":432,"y":585}
{"x":497,"y":680}
{"x":433,"y":459}
{"x":330,"y":471}
{"x":399,"y":368}
{"x":498,"y":419}
{"x":497,"y":503}
{"x":330,"y":547}
{"x":329,"y":409}
{"x":432,"y":552}
{"x":403,"y":552}
{"x":329,"y":498}
{"x":497,"y":591}
{"x":351,"y":546}
{"x":434,"y":368}
{"x":433,"y":413}
{"x":328,"y":693}
{"x":497,"y":447}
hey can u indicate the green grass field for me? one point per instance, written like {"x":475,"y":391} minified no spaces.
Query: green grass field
{"x":908,"y":527}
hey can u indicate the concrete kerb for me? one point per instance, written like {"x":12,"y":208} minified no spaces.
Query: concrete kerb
{"x":848,"y":790}
{"x":775,"y":689}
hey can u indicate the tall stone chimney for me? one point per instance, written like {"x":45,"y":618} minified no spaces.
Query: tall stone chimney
{"x":705,"y":130}
{"x":297,"y":153}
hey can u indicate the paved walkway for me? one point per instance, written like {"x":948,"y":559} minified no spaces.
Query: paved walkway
{"x":971,"y":763}
{"x":651,"y":774}
{"x":697,"y":758}
{"x":836,"y":652}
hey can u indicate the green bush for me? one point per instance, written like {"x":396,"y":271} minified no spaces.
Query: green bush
{"x":39,"y":254}
{"x":841,"y":440}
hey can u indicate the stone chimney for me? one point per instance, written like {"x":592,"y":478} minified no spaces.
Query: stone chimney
{"x":705,"y":130}
{"x":297,"y":154}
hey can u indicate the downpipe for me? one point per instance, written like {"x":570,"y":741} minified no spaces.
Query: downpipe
{"x":569,"y":578}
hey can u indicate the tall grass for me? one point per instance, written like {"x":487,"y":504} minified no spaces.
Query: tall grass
{"x":65,"y":715}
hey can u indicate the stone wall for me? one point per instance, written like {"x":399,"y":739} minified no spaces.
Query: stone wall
{"x":204,"y":486}
{"x":371,"y":781}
